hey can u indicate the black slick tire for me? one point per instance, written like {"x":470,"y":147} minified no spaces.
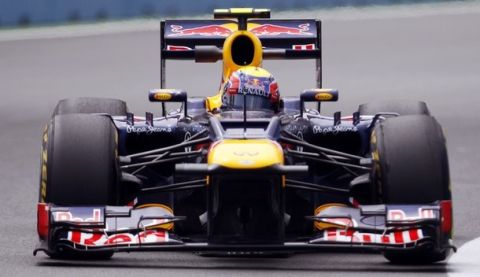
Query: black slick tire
{"x":402,"y":107}
{"x":411,"y":167}
{"x":114,"y":107}
{"x":81,"y":166}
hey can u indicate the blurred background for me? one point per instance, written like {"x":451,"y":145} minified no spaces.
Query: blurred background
{"x":34,"y":12}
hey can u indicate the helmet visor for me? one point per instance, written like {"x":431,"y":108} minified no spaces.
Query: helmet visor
{"x":251,"y":102}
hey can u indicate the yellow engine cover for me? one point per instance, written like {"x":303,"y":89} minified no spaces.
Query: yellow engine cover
{"x":245,"y":153}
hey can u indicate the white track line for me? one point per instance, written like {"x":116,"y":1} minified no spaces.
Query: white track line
{"x":466,"y":262}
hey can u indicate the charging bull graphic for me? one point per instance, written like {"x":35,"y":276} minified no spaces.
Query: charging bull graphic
{"x":276,"y":30}
{"x":223,"y":31}
{"x":209,"y":30}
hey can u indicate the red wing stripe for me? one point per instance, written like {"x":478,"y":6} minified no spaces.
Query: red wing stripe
{"x":367,"y":238}
{"x":414,"y":235}
{"x":332,"y":235}
{"x":398,"y":237}
{"x":385,"y":239}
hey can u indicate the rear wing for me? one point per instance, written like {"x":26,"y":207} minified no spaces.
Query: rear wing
{"x":281,"y":39}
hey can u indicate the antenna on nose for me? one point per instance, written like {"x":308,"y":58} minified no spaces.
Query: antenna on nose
{"x":241,"y":14}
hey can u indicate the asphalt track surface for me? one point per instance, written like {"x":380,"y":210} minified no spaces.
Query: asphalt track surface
{"x":433,"y":58}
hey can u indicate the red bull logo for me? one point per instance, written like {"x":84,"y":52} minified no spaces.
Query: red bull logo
{"x":275,"y":30}
{"x":103,"y":239}
{"x":68,"y":216}
{"x":209,"y":30}
{"x":253,"y":82}
{"x":223,"y":31}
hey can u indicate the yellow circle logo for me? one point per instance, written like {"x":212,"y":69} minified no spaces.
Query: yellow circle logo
{"x":323,"y":96}
{"x":162,"y":96}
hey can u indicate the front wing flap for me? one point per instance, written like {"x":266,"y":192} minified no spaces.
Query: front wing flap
{"x":376,"y":227}
{"x":381,"y":225}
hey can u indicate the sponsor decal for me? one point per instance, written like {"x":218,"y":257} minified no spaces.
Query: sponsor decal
{"x":256,"y":86}
{"x":209,"y":30}
{"x":244,"y":84}
{"x":162,"y":96}
{"x":333,"y":130}
{"x":323,"y":96}
{"x":222,"y":30}
{"x":310,"y":46}
{"x":102,"y":239}
{"x":255,"y":90}
{"x":75,"y":217}
{"x":400,"y":215}
{"x":352,"y":236}
{"x":275,"y":30}
{"x":147,"y":129}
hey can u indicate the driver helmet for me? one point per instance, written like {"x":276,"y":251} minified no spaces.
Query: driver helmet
{"x":257,"y":85}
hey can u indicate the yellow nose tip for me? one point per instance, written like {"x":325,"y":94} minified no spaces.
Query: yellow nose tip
{"x":246,"y":154}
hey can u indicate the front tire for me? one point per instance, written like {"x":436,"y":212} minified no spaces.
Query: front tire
{"x":402,"y":107}
{"x":91,"y":105}
{"x":80,"y":167}
{"x":411,"y":167}
{"x":82,"y":163}
{"x":411,"y":160}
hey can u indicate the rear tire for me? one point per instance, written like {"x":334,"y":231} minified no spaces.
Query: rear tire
{"x":91,"y":105}
{"x":411,"y":167}
{"x":81,"y":168}
{"x":402,"y":107}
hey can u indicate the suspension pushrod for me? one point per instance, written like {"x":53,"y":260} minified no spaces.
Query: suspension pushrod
{"x":308,"y":157}
{"x":319,"y":148}
{"x":327,"y":156}
{"x":158,"y":161}
{"x":170,"y":154}
{"x":315,"y":186}
{"x":186,"y":184}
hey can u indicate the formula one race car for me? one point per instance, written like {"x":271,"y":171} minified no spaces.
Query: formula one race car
{"x":245,"y":171}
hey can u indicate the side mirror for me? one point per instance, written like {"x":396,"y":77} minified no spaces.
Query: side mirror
{"x":317,"y":95}
{"x":290,"y":104}
{"x":168,"y":95}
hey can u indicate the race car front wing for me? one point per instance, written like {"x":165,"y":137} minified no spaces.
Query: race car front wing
{"x":149,"y":228}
